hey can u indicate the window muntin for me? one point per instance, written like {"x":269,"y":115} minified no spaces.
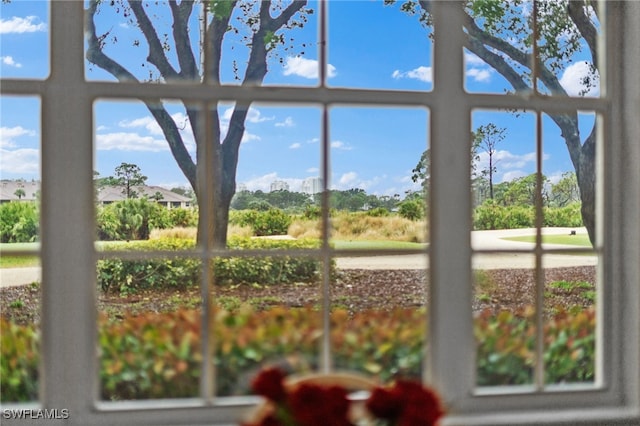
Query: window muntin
{"x":83,"y":274}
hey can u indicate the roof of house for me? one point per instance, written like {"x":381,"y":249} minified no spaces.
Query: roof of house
{"x":108,"y":194}
{"x":117,"y":193}
{"x":9,"y":188}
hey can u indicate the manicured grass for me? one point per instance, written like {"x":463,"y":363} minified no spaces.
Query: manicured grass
{"x":374,"y":245}
{"x":581,"y":240}
{"x":18,"y":261}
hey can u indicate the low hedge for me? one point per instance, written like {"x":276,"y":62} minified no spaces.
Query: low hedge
{"x":181,"y":272}
{"x":159,"y":355}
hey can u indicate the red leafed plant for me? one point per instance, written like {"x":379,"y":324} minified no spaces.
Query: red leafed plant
{"x":323,"y":400}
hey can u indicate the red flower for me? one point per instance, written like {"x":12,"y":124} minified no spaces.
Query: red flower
{"x":406,"y":404}
{"x":269,"y":383}
{"x":384,"y":403}
{"x":313,"y":405}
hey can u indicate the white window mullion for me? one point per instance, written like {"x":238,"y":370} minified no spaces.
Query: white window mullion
{"x":450,"y":358}
{"x":69,"y":378}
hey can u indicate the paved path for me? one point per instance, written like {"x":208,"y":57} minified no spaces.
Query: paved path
{"x":480,"y":240}
{"x":18,"y":276}
{"x":484,"y":240}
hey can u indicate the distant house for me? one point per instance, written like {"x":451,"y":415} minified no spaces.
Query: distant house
{"x":20,"y":190}
{"x":171,"y":200}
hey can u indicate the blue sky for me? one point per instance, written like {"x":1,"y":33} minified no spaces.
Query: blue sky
{"x":371,"y":148}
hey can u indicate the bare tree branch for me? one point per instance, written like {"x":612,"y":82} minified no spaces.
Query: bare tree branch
{"x":186,"y":59}
{"x":156,"y":55}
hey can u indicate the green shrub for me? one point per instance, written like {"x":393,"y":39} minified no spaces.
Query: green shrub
{"x":181,"y":272}
{"x":131,"y":219}
{"x":263,"y":223}
{"x":378,"y":212}
{"x":159,"y":355}
{"x":19,"y":358}
{"x":184,"y":218}
{"x":19,"y":222}
{"x":568,"y":216}
{"x":506,"y":347}
{"x":411,"y":209}
{"x":490,"y":215}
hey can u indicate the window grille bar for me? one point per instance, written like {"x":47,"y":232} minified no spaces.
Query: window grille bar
{"x":539,"y":271}
{"x":205,"y":165}
{"x":325,"y":349}
{"x":450,"y":361}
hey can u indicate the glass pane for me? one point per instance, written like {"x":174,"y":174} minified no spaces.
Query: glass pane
{"x":141,"y":191}
{"x":149,"y":329}
{"x":503,"y":166}
{"x":279,"y":169}
{"x":504,"y":319}
{"x":378,"y":319}
{"x":570,"y":317}
{"x":20,"y":272}
{"x":25,"y":39}
{"x":379,"y":176}
{"x":567,"y":46}
{"x":360,"y":59}
{"x":570,"y":141}
{"x":155,"y":42}
{"x":499,"y":47}
{"x":267,"y":313}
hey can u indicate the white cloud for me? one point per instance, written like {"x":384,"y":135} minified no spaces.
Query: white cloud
{"x":508,"y":165}
{"x":515,"y":174}
{"x":479,"y":75}
{"x":340,"y":145}
{"x":9,"y":61}
{"x":312,"y":170}
{"x":129,"y":142}
{"x":9,"y":134}
{"x":295,"y":145}
{"x":307,"y":68}
{"x":573,"y":80}
{"x":18,"y":25}
{"x":421,"y":73}
{"x":20,"y":161}
{"x":151,"y":125}
{"x":348,"y":179}
{"x":473,"y":60}
{"x":253,"y":115}
{"x":288,"y":122}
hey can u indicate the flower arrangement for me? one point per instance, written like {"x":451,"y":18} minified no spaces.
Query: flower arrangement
{"x":324,"y":400}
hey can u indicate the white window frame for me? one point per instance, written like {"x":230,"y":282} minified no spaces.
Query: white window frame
{"x":69,"y":376}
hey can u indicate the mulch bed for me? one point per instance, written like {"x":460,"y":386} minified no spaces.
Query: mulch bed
{"x":353,"y":289}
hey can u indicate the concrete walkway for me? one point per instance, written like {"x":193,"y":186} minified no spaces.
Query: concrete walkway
{"x":19,"y":276}
{"x":485,"y":240}
{"x":480,"y":240}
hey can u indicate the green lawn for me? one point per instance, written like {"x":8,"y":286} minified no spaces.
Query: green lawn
{"x":19,"y":261}
{"x":581,"y":240}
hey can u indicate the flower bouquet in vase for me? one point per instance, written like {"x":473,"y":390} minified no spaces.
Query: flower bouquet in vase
{"x":324,"y":400}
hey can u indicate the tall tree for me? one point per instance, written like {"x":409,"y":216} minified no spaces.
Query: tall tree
{"x":500,"y":33}
{"x":19,"y":193}
{"x":129,"y":176}
{"x":487,"y":137}
{"x":264,"y":23}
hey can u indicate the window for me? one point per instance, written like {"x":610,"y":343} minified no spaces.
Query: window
{"x":68,"y":255}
